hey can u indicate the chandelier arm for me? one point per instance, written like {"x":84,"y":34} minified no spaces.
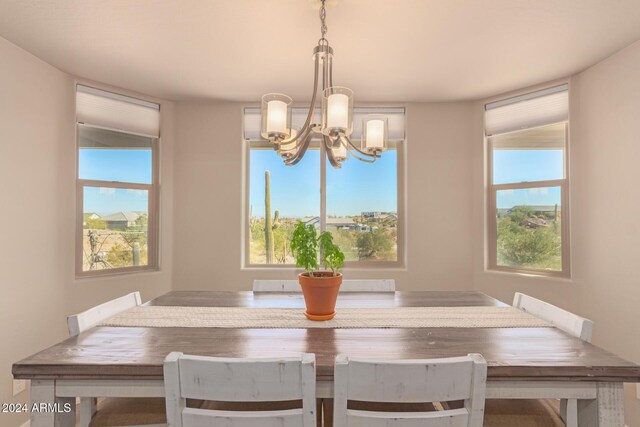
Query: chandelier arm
{"x":312,"y":107}
{"x":362,"y":159}
{"x":330,"y":62}
{"x":332,"y":160}
{"x":301,"y":152}
{"x":325,"y":72}
{"x":345,"y":139}
{"x":306,"y":128}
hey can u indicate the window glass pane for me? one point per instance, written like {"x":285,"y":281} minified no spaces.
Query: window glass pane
{"x":115,"y":228}
{"x":362,"y":208}
{"x":530,"y":155}
{"x":529,"y":228}
{"x":107,"y":155}
{"x":293,"y":194}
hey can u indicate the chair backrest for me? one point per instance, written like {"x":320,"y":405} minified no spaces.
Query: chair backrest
{"x":79,"y":323}
{"x":561,"y":319}
{"x":410,"y":381}
{"x":239,"y":380}
{"x":373,"y":285}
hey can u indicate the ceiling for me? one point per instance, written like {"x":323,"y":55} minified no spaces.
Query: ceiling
{"x":385,"y":50}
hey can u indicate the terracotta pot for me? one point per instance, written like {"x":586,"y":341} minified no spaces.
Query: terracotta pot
{"x":320,"y":294}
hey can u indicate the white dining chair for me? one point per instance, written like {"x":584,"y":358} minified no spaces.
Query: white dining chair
{"x":221,"y":379}
{"x":368,"y":285}
{"x":410,"y":381}
{"x":566,"y":321}
{"x":114,"y":410}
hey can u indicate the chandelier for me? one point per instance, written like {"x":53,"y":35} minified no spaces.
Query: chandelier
{"x":336,"y":124}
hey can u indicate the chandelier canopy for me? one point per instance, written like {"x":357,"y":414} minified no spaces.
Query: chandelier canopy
{"x":336,"y":125}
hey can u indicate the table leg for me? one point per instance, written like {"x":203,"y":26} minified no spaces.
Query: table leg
{"x":47,"y":410}
{"x":605,"y":411}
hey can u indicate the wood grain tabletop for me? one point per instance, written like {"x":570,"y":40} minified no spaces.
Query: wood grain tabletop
{"x":541,"y":354}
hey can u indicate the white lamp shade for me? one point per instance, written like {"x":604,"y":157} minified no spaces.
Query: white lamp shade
{"x":374,"y":133}
{"x":339,"y":152}
{"x":337,"y":111}
{"x":276,"y":116}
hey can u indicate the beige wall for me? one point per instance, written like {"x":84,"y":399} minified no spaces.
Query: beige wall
{"x":606,"y":158}
{"x":605,"y":205}
{"x":209,"y":171}
{"x":35,"y":106}
{"x":37,"y":193}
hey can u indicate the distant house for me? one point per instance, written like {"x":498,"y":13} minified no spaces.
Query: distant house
{"x":371,"y":215}
{"x":121,"y":220}
{"x":311,"y":220}
{"x":89,"y":216}
{"x":341,"y":223}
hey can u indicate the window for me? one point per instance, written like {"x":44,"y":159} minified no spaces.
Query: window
{"x":117,"y":143}
{"x":360,"y":203}
{"x":528,"y":220}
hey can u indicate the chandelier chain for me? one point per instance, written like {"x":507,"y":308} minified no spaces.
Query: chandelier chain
{"x":323,"y":24}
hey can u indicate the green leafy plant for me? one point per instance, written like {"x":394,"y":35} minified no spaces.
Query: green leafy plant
{"x":305,"y":243}
{"x":332,"y":256}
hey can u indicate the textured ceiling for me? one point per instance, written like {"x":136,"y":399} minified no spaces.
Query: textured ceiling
{"x":400,"y":50}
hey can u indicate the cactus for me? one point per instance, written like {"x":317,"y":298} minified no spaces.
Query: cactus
{"x":269,"y":224}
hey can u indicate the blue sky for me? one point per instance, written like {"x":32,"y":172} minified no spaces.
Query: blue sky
{"x":115,"y":165}
{"x":295,"y":190}
{"x":510,"y":166}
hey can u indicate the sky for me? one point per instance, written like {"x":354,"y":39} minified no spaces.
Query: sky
{"x":511,"y":166}
{"x":115,"y":165}
{"x":295,"y":190}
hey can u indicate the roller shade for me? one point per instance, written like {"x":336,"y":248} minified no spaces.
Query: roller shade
{"x":118,"y":112}
{"x":532,"y":110}
{"x":299,"y":115}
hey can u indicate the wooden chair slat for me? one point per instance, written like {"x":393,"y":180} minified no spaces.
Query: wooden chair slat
{"x":410,"y":381}
{"x":239,"y":380}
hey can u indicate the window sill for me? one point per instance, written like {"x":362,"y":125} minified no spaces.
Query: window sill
{"x":533,"y":275}
{"x":117,"y":272}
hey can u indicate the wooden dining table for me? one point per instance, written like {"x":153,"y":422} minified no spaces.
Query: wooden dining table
{"x":522,"y":362}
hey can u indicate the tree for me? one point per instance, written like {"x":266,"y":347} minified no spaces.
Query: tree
{"x":522,"y":245}
{"x":373,"y":244}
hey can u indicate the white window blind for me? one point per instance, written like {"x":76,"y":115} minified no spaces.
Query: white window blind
{"x":532,"y":110}
{"x":299,"y":115}
{"x":117,"y":112}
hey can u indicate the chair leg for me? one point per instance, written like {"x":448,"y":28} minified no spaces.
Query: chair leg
{"x":318,"y":412}
{"x":327,"y":412}
{"x":569,"y":412}
{"x":87,"y":410}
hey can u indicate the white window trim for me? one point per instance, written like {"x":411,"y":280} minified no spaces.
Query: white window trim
{"x":153,"y":221}
{"x":491,"y":224}
{"x":399,"y":264}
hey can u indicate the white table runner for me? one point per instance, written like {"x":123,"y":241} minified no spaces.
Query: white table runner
{"x":293,"y":318}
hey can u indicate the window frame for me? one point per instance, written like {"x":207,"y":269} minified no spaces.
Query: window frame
{"x":565,"y":215}
{"x":153,"y":212}
{"x":399,"y":263}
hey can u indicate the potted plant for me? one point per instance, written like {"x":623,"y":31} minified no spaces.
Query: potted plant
{"x":320,"y":288}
